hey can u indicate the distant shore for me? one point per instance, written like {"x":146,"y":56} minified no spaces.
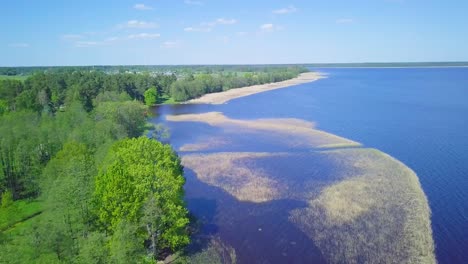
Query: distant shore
{"x":223,"y":97}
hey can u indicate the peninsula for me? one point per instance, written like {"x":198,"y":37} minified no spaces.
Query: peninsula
{"x":225,"y":96}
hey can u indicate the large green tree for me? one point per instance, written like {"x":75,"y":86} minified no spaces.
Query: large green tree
{"x":142,"y":182}
{"x":151,"y":96}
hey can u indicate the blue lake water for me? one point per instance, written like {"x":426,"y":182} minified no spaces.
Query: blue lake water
{"x":417,"y":115}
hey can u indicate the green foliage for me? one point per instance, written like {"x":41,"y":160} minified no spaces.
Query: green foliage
{"x":7,"y":198}
{"x":111,"y":96}
{"x":140,"y":170}
{"x":56,"y":129}
{"x":161,"y":132}
{"x":94,"y":249}
{"x":151,"y":96}
{"x":21,"y":153}
{"x":131,"y":115}
{"x":3,"y":107}
{"x":67,"y":188}
{"x":126,"y":244}
{"x":196,"y":85}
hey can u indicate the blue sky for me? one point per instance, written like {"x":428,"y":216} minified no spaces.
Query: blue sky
{"x":231,"y":32}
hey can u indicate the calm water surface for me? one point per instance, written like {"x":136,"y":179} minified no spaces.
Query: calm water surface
{"x":419,"y":116}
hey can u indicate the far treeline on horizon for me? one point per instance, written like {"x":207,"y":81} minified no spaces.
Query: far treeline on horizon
{"x":24,"y":70}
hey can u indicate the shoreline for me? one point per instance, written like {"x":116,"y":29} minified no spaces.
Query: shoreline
{"x":225,"y":96}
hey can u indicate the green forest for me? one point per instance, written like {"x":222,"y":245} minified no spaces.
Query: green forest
{"x":79,"y":181}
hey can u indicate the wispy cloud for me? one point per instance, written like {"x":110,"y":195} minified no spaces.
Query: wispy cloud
{"x":208,"y":26}
{"x":225,"y":39}
{"x":18,"y":45}
{"x":95,"y":43}
{"x":144,"y":36}
{"x":138,"y":24}
{"x":223,"y":21}
{"x":71,"y":36}
{"x":87,"y":44}
{"x":192,"y":2}
{"x":286,"y":10}
{"x":267,"y":28}
{"x":170,"y":44}
{"x":142,"y":7}
{"x":197,"y":29}
{"x":111,"y":39}
{"x":344,"y":21}
{"x":241,"y":33}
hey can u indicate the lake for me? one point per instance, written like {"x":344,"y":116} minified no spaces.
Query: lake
{"x":418,"y":116}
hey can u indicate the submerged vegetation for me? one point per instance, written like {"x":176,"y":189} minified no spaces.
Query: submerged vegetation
{"x":304,"y":133}
{"x":369,"y":208}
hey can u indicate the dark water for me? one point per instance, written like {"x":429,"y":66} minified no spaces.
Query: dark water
{"x":419,"y":116}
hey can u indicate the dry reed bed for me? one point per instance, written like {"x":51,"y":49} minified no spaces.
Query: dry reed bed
{"x":371,"y":210}
{"x":379,"y":215}
{"x":304,"y":131}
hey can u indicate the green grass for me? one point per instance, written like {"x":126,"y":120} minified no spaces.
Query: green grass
{"x":13,"y":77}
{"x":19,"y":244}
{"x":17,"y":228}
{"x":17,"y":212}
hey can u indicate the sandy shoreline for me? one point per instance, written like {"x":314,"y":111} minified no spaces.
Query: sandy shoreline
{"x":223,"y":97}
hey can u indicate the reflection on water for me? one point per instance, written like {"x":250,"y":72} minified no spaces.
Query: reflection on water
{"x":287,"y":192}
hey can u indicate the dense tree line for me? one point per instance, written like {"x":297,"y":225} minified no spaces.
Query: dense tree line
{"x":50,"y":90}
{"x":193,"y":86}
{"x":72,"y":141}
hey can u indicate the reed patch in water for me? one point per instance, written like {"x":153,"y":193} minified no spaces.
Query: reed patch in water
{"x":289,"y":128}
{"x":207,"y":144}
{"x":379,"y":215}
{"x":231,"y":172}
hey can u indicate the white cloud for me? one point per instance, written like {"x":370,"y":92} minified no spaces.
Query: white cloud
{"x":192,"y":2}
{"x":286,"y":10}
{"x":87,"y":44}
{"x":223,"y":21}
{"x":142,"y":7}
{"x":19,"y":45}
{"x":144,"y":36}
{"x":219,"y":21}
{"x":345,"y":21}
{"x":241,"y":33}
{"x":93,"y":43}
{"x":208,"y":26}
{"x":170,"y":44}
{"x":197,"y":29}
{"x":138,"y":24}
{"x":267,"y":27}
